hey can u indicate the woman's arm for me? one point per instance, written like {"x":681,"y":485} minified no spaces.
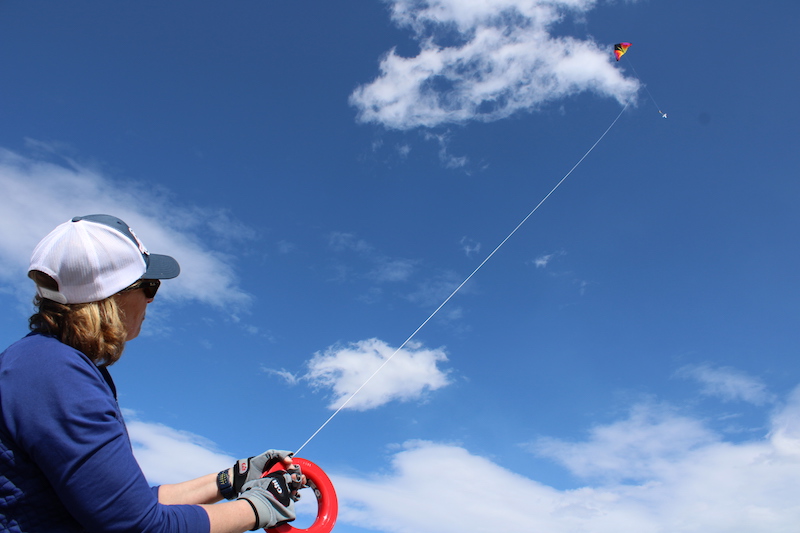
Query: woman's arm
{"x":231,"y":517}
{"x":196,"y":491}
{"x":228,"y":517}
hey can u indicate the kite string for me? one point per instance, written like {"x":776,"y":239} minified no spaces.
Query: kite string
{"x":466,"y":280}
{"x":643,"y":84}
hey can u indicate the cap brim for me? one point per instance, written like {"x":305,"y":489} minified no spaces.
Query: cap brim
{"x":161,"y":267}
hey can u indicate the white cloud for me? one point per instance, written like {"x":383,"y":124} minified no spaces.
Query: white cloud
{"x":407,"y":376}
{"x":728,"y":383}
{"x":38,"y":195}
{"x":689,"y":480}
{"x":485,"y":60}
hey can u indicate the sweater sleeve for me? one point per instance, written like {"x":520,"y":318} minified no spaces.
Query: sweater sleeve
{"x":64,"y":416}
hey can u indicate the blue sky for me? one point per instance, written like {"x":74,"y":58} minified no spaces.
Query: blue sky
{"x":327,"y":173}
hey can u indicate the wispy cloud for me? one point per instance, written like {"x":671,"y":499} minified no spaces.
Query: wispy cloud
{"x":469,"y":246}
{"x":285,"y":375}
{"x":411,"y":373}
{"x":38,"y":194}
{"x":435,"y":289}
{"x":342,"y":241}
{"x":484,"y":61}
{"x":543,"y":260}
{"x":381,"y":269}
{"x":638,"y":448}
{"x":286,"y":247}
{"x":727,"y":383}
{"x":393,"y":269}
{"x":358,"y":259}
{"x":547,"y":261}
{"x":445,"y":155}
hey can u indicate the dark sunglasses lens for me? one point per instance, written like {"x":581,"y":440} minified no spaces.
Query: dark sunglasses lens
{"x":150,"y":288}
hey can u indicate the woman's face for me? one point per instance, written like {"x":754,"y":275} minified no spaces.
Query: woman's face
{"x":133,"y":305}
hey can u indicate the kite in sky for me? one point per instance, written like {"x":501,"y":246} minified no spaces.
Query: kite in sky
{"x":619,"y":51}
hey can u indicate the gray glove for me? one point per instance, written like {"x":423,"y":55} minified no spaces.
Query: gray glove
{"x":252,"y":468}
{"x":271,"y":499}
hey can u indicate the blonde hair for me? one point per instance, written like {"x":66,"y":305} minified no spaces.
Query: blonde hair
{"x":94,"y":328}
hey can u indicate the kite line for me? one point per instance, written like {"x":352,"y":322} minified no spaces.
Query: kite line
{"x":466,"y":280}
{"x":662,"y":113}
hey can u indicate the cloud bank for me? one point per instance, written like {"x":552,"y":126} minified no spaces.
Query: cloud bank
{"x":681,"y":477}
{"x":39,"y":194}
{"x":485,"y":60}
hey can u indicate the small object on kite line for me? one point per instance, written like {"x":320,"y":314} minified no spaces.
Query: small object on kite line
{"x":619,"y":51}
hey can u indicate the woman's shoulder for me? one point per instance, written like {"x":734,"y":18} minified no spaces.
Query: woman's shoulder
{"x":41,"y":353}
{"x":41,"y":374}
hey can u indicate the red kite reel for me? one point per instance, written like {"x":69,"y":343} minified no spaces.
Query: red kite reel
{"x":327,"y":503}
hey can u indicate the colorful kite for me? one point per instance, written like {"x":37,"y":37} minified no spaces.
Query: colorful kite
{"x":620,"y":49}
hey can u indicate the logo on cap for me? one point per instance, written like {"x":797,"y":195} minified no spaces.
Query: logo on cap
{"x":138,"y":242}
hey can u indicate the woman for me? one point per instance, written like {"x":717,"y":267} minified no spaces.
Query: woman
{"x":66,"y":462}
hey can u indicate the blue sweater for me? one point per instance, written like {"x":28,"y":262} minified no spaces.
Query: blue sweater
{"x":66,"y":462}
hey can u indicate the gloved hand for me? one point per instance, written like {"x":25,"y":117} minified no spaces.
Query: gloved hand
{"x":271,"y":498}
{"x":252,"y":468}
{"x":295,"y":480}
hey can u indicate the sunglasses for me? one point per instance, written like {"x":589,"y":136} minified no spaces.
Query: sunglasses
{"x":149,"y":286}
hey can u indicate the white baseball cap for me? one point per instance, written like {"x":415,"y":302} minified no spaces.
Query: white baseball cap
{"x":94,"y":257}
